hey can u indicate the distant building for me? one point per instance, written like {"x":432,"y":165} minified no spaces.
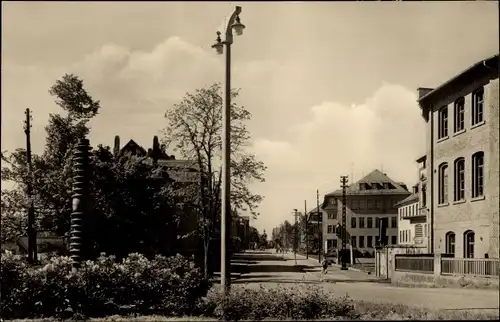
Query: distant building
{"x":462,"y":117}
{"x":368,"y":199}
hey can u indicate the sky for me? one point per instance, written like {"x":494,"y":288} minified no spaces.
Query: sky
{"x":331,"y":86}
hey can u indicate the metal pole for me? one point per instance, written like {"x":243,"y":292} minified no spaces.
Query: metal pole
{"x":344,"y":229}
{"x":307,"y":231}
{"x":32,"y":245}
{"x":80,"y":202}
{"x":295,"y":240}
{"x":321,"y":230}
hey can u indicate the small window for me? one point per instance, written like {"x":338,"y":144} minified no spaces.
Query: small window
{"x":353,"y":241}
{"x":334,"y":243}
{"x":353,"y":222}
{"x":333,"y":201}
{"x":354,"y":205}
{"x":469,"y":238}
{"x":369,"y":204}
{"x":478,"y":174}
{"x":424,"y":195}
{"x":329,"y":243}
{"x":361,"y":223}
{"x":419,"y":230}
{"x":361,"y":204}
{"x":443,"y":183}
{"x":376,"y":204}
{"x":369,"y":241}
{"x":459,"y":109}
{"x":477,"y":106}
{"x":361,"y":241}
{"x":330,"y":229}
{"x":459,"y":184}
{"x":450,"y":243}
{"x":331,"y":215}
{"x":394,"y":240}
{"x":394,"y":222}
{"x":369,"y":222}
{"x":443,"y":122}
{"x":377,"y":222}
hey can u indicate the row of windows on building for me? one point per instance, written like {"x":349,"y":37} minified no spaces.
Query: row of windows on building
{"x":476,"y":180}
{"x":406,"y":237}
{"x":361,"y":221}
{"x":468,"y":240}
{"x":410,"y":210}
{"x":477,"y":114}
{"x":359,"y":242}
{"x":368,"y":204}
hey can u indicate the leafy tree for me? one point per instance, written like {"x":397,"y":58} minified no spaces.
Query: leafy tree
{"x":194,"y":128}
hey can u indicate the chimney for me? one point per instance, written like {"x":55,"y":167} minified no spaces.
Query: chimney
{"x":116,"y":148}
{"x":422,"y":91}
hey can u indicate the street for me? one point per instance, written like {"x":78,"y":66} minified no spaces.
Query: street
{"x":270,"y":269}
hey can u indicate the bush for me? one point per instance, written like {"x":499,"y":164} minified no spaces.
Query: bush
{"x":298,"y":303}
{"x":168,"y":286}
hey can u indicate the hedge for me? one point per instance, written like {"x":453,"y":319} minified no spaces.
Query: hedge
{"x":165,"y":286}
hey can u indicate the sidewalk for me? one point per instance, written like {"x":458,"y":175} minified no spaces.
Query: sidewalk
{"x":301,"y":259}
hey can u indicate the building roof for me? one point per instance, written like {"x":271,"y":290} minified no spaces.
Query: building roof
{"x":422,"y":159}
{"x":486,"y":65}
{"x":178,"y":170}
{"x":375,"y":183}
{"x":408,"y":200}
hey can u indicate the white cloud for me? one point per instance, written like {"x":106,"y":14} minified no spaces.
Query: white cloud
{"x":385,"y":131}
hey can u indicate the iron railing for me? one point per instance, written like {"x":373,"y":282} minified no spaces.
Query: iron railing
{"x":470,"y":266}
{"x":419,"y":264}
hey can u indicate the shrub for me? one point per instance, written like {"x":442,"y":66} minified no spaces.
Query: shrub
{"x":169,"y":286}
{"x":296,"y":303}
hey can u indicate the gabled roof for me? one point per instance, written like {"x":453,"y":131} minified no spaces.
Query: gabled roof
{"x":408,"y":200}
{"x":376,"y":183}
{"x":133,"y":145}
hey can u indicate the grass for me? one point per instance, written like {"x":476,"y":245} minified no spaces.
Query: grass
{"x":364,"y":311}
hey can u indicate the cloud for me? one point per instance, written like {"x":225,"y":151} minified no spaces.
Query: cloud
{"x":385,"y":131}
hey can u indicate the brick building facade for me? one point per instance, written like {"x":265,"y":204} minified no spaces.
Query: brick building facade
{"x":462,"y":117}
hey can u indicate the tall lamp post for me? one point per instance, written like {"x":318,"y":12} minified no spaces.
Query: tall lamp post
{"x":234,"y":23}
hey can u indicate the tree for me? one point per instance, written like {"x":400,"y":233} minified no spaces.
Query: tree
{"x":52,"y":171}
{"x":194,"y":127}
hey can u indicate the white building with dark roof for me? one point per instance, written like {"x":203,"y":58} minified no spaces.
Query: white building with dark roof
{"x":368,"y":199}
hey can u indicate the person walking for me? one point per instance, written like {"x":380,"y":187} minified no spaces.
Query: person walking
{"x":324,"y":265}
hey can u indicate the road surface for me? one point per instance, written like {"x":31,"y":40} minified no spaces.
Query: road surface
{"x":269,"y":269}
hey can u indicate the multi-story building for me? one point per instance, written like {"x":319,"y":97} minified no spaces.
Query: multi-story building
{"x":314,"y":230}
{"x":462,"y":117}
{"x":413,"y":227}
{"x":369,"y":199}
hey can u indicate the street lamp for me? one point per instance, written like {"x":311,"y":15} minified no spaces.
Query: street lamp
{"x":234,"y":23}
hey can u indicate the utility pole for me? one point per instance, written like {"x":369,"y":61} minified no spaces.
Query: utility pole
{"x":320,"y":224}
{"x":32,"y":247}
{"x":343,"y":180}
{"x":306,"y":219}
{"x":296,"y":233}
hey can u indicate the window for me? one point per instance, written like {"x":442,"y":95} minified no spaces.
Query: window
{"x":369,"y":241}
{"x":469,"y":237}
{"x":424,"y":195}
{"x":377,"y":222}
{"x":369,"y":222}
{"x":425,"y":230}
{"x":353,"y":241}
{"x":477,"y":174}
{"x":450,"y":243}
{"x":334,"y":243}
{"x":354,"y":205}
{"x":405,"y":233}
{"x":400,"y":237}
{"x":361,"y":223}
{"x":361,"y":204}
{"x":369,"y":204}
{"x":443,"y":183}
{"x":329,"y":243}
{"x":353,"y":222}
{"x":477,"y":106}
{"x":332,"y":215}
{"x":330,"y":229}
{"x":459,"y":114}
{"x":419,"y":231}
{"x":459,"y":185}
{"x":394,"y":222}
{"x":376,"y":204}
{"x":394,"y":240}
{"x":443,"y":122}
{"x":361,"y":241}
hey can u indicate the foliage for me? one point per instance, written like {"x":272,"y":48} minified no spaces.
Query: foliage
{"x":194,"y":129}
{"x":166,"y":286}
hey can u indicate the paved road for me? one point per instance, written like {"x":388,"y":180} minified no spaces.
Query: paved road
{"x":271,"y":269}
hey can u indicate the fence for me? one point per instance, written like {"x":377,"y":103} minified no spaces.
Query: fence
{"x":470,"y":266}
{"x":421,"y":264}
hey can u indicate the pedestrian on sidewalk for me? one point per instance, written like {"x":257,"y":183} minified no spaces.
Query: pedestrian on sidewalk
{"x":324,"y":265}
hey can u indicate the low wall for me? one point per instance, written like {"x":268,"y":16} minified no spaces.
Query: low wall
{"x":430,"y":280}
